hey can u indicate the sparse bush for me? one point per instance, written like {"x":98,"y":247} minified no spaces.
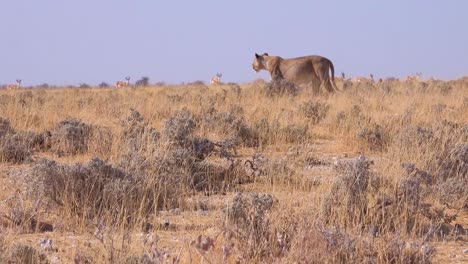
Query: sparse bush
{"x":87,"y":189}
{"x":202,"y":147}
{"x":347,"y":203}
{"x":5,"y":127}
{"x":230,"y":125}
{"x":177,"y":165}
{"x":137,"y":135}
{"x":375,"y":138}
{"x":16,"y":148}
{"x":248,"y":212}
{"x":70,"y":137}
{"x":314,"y":111}
{"x":453,"y":193}
{"x":431,"y":146}
{"x":452,"y":176}
{"x":144,"y":81}
{"x":177,"y":130}
{"x":294,"y":133}
{"x":410,"y":190}
{"x":453,"y":163}
{"x":101,"y":142}
{"x":103,"y":85}
{"x":273,"y":132}
{"x":363,"y":214}
{"x":280,"y":87}
{"x":197,"y":83}
{"x":20,"y":253}
{"x":333,"y":245}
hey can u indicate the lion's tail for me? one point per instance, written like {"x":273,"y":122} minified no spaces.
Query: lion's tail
{"x":332,"y":80}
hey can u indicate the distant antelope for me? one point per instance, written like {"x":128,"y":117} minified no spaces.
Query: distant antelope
{"x":217,"y":79}
{"x":14,"y":86}
{"x":123,"y":84}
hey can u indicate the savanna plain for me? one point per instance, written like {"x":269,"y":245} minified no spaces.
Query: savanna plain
{"x":252,"y":173}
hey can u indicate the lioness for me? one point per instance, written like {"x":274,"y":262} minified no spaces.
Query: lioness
{"x":302,"y":70}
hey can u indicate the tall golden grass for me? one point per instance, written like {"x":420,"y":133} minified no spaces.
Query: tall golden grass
{"x":310,"y":144}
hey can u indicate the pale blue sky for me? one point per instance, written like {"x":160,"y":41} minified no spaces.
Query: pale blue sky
{"x":89,"y":41}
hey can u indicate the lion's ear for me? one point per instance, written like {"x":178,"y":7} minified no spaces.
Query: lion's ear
{"x":265,"y":54}
{"x":257,"y":56}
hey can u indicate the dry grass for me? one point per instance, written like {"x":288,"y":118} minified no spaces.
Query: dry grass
{"x":376,"y":173}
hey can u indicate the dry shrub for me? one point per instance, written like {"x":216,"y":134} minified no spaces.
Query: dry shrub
{"x":294,"y":133}
{"x":273,"y":132}
{"x":5,"y":127}
{"x":248,"y":210}
{"x":348,"y":121}
{"x":266,"y":130}
{"x":360,"y":198}
{"x":101,"y":142}
{"x":453,"y":193}
{"x":13,"y":148}
{"x":441,"y":151}
{"x":89,"y":190}
{"x":230,"y":125}
{"x":177,"y":130}
{"x":70,"y":137}
{"x":3,"y":247}
{"x":174,"y":164}
{"x":374,"y":138}
{"x":452,"y":176}
{"x":333,"y":245}
{"x":347,"y":202}
{"x":25,"y":216}
{"x":197,"y":83}
{"x":20,"y":253}
{"x":412,"y":205}
{"x":429,"y":144}
{"x":410,"y":189}
{"x":187,"y":154}
{"x":248,"y":214}
{"x":19,"y":147}
{"x":453,"y":163}
{"x":415,"y":136}
{"x":5,"y":100}
{"x":315,"y":111}
{"x":280,"y":87}
{"x":137,"y":136}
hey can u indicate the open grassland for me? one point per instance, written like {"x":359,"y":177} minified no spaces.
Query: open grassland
{"x":376,"y":173}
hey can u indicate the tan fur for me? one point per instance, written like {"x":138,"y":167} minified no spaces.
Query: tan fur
{"x":302,"y":70}
{"x":119,"y":84}
{"x":14,"y":86}
{"x":216,"y":80}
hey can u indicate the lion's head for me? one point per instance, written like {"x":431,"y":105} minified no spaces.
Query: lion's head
{"x":259,"y":62}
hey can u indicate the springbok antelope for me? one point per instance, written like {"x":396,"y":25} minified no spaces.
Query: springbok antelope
{"x":217,"y":79}
{"x":123,"y":84}
{"x":14,"y":86}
